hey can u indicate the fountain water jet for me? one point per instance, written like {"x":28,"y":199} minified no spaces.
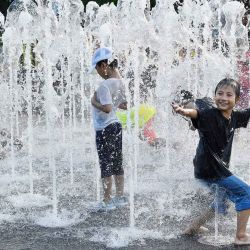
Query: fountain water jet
{"x":47,"y":104}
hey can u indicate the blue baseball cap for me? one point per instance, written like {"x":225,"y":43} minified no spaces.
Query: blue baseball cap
{"x":99,"y":55}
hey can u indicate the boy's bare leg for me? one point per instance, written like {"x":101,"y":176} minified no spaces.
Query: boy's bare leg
{"x":107,"y":188}
{"x":242,"y":219}
{"x":199,"y":221}
{"x":119,"y":184}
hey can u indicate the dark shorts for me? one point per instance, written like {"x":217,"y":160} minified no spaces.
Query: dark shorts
{"x":109,"y":149}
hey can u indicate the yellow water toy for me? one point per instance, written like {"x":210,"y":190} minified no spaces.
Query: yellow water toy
{"x":145,"y":113}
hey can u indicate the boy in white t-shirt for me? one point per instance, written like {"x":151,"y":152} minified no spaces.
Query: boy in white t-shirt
{"x":109,"y":96}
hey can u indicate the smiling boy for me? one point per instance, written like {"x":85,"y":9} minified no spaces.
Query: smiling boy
{"x":211,"y":163}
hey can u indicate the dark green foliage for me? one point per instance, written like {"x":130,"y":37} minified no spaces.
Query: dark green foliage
{"x":100,"y":2}
{"x":4,"y":4}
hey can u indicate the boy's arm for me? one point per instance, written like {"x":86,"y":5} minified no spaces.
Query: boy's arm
{"x":243,"y":117}
{"x":192,"y":113}
{"x":104,"y":108}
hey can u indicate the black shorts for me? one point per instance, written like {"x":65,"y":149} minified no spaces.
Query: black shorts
{"x":109,"y":149}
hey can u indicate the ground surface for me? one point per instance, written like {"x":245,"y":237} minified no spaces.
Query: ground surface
{"x":165,"y":201}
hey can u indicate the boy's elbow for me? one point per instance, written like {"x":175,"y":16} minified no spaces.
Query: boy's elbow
{"x":107,"y":109}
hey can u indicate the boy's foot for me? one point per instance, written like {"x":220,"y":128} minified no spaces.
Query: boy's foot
{"x":105,"y":207}
{"x":120,"y":201}
{"x":242,"y":241}
{"x":193,"y":231}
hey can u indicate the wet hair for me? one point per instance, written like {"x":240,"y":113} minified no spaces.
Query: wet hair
{"x":113,"y":64}
{"x":230,"y":83}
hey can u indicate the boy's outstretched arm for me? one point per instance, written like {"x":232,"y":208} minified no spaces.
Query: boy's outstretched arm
{"x":192,"y":113}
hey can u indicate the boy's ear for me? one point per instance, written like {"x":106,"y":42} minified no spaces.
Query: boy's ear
{"x":237,"y":99}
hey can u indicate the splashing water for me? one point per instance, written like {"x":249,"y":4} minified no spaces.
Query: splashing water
{"x":47,"y":50}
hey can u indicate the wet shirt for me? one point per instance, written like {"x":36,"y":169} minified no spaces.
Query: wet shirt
{"x":110,"y":91}
{"x":216,"y":137}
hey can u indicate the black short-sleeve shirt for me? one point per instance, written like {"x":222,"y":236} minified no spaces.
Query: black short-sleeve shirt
{"x":216,"y":137}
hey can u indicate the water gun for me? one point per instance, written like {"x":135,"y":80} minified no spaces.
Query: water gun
{"x":145,"y":113}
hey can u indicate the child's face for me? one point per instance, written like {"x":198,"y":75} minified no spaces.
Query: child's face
{"x":102,"y":70}
{"x":225,"y":98}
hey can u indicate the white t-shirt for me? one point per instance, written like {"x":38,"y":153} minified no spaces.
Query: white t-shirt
{"x":110,"y":91}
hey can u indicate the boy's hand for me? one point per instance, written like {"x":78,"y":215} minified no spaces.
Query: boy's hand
{"x":178,"y":109}
{"x":192,"y":113}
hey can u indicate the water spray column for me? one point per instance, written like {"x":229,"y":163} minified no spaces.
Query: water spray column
{"x":47,"y":72}
{"x":63,"y":97}
{"x":16,"y":98}
{"x":27,"y":62}
{"x":138,"y":61}
{"x":71,"y":117}
{"x":11,"y":51}
{"x":11,"y":94}
{"x":130,"y":164}
{"x":70,"y":87}
{"x":48,"y":103}
{"x":132,"y":136}
{"x":163,"y":63}
{"x":82,"y":89}
{"x":219,"y":25}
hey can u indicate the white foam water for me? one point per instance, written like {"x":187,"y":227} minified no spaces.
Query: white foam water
{"x":46,"y":104}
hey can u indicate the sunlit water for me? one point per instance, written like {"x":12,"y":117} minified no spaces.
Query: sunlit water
{"x":53,"y":181}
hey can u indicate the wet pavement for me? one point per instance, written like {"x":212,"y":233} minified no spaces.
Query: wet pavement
{"x":39,"y":238}
{"x":164,"y":203}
